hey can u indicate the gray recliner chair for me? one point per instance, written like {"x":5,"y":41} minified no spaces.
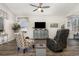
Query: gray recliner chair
{"x":59,"y":42}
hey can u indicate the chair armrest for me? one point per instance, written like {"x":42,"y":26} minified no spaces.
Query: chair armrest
{"x":55,"y":41}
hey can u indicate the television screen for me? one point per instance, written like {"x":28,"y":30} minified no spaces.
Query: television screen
{"x":40,"y":25}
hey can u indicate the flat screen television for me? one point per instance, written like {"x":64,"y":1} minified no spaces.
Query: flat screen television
{"x":40,"y":24}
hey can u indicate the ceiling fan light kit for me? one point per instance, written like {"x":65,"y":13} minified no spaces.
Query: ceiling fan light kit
{"x":42,"y":10}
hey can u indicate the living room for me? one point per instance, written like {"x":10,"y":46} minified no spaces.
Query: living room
{"x":39,"y":22}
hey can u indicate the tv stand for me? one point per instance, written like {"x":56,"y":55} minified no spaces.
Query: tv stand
{"x":40,"y":34}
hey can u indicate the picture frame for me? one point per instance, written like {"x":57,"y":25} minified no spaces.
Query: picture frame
{"x":54,"y":25}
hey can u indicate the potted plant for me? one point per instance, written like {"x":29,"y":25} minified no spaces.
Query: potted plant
{"x":16,"y":27}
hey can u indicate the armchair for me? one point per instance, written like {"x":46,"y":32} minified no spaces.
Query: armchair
{"x":23,"y":42}
{"x":59,"y":42}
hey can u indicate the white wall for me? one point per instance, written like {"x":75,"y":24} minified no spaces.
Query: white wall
{"x":8,"y":22}
{"x":49,"y":20}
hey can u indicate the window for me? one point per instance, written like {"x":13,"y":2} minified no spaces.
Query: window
{"x":23,"y":23}
{"x":73,"y":23}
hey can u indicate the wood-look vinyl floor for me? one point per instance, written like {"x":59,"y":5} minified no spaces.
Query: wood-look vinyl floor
{"x":9,"y":49}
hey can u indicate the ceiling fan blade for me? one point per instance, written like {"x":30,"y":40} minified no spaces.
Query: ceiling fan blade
{"x":33,"y":5}
{"x":45,"y":7}
{"x":35,"y":9}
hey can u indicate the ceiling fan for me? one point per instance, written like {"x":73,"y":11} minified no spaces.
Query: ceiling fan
{"x":39,"y":7}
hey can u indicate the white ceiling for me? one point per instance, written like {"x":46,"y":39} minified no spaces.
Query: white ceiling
{"x":56,"y":9}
